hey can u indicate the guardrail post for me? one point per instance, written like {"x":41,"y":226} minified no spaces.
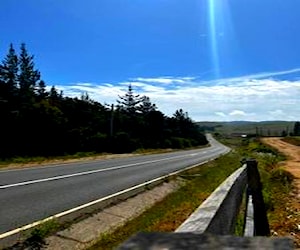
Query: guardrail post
{"x":261,"y":224}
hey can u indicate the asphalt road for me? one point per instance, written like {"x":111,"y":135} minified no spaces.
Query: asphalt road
{"x":29,"y":195}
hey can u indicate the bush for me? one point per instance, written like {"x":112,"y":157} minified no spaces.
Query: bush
{"x":177,"y":142}
{"x":122,"y":143}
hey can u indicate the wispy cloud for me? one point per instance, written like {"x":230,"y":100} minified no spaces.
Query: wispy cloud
{"x":253,"y":97}
{"x":164,"y":80}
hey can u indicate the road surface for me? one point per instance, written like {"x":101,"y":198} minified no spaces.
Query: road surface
{"x":29,"y":195}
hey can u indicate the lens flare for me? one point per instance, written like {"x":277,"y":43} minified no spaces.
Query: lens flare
{"x":213,"y":34}
{"x":223,"y":43}
{"x":213,"y":37}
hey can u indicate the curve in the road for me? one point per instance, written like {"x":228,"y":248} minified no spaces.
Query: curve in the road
{"x":34,"y":194}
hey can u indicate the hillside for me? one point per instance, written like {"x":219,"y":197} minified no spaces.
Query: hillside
{"x":264,"y":128}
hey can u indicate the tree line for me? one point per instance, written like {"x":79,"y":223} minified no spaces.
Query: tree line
{"x":296,"y":130}
{"x":40,"y":122}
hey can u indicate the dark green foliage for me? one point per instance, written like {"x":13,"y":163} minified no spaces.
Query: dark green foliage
{"x":129,"y":102}
{"x":146,"y":106}
{"x":37,"y":122}
{"x":297,"y":128}
{"x":8,"y":73}
{"x":28,"y":76}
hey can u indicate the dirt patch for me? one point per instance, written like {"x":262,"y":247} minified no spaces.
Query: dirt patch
{"x":292,"y":165}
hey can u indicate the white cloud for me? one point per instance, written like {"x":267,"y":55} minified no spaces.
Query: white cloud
{"x":220,"y":114}
{"x":164,"y":80}
{"x":256,"y":97}
{"x":237,"y":113}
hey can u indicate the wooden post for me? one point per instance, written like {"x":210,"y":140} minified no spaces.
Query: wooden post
{"x":261,"y":224}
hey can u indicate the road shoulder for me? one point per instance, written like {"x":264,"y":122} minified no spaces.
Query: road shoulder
{"x":85,"y":233}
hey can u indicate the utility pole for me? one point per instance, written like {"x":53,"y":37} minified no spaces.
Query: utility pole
{"x":112,"y":121}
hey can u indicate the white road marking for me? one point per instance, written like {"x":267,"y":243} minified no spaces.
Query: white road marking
{"x":89,"y":172}
{"x":59,"y":215}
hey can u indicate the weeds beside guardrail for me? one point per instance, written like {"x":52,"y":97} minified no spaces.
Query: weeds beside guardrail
{"x":212,"y":225}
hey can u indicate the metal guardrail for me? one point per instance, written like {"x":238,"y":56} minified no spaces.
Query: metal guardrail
{"x":218,"y":213}
{"x":212,"y":225}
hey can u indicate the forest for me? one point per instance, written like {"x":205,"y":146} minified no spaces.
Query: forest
{"x":41,"y":121}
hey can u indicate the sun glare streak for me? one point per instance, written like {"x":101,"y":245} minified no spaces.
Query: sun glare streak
{"x":224,"y":47}
{"x":213,"y":34}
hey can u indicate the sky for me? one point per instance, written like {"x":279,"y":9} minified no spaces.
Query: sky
{"x":218,"y":60}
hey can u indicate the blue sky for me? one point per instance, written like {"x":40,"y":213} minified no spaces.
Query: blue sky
{"x":216,"y":59}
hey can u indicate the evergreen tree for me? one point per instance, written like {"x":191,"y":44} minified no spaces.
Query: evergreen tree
{"x":37,"y":122}
{"x":297,"y":128}
{"x":9,"y":73}
{"x":129,"y":102}
{"x":41,"y":90}
{"x":29,"y":76}
{"x":146,"y":106}
{"x":85,"y":97}
{"x":53,"y":93}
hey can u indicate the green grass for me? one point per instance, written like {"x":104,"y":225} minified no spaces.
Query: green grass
{"x":168,"y":214}
{"x":164,"y":150}
{"x":36,"y":238}
{"x":266,"y":128}
{"x":240,"y":220}
{"x":276,"y":182}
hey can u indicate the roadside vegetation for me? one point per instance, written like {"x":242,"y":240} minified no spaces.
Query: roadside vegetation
{"x":24,"y":162}
{"x":39,"y":121}
{"x":199,"y":183}
{"x":21,"y":162}
{"x":168,"y":214}
{"x":295,"y":140}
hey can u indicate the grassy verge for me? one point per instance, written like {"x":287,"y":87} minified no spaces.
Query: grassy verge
{"x":168,"y":214}
{"x":36,"y":238}
{"x":79,"y":156}
{"x":277,"y":185}
{"x":292,"y":140}
{"x":42,"y":159}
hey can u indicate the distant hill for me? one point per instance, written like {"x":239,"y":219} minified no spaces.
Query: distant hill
{"x":264,"y":128}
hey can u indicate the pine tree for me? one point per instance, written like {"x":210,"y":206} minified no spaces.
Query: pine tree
{"x":297,"y":128}
{"x":146,"y":105}
{"x":29,"y":76}
{"x":129,"y":102}
{"x":41,"y":90}
{"x":9,"y":73}
{"x":53,"y":93}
